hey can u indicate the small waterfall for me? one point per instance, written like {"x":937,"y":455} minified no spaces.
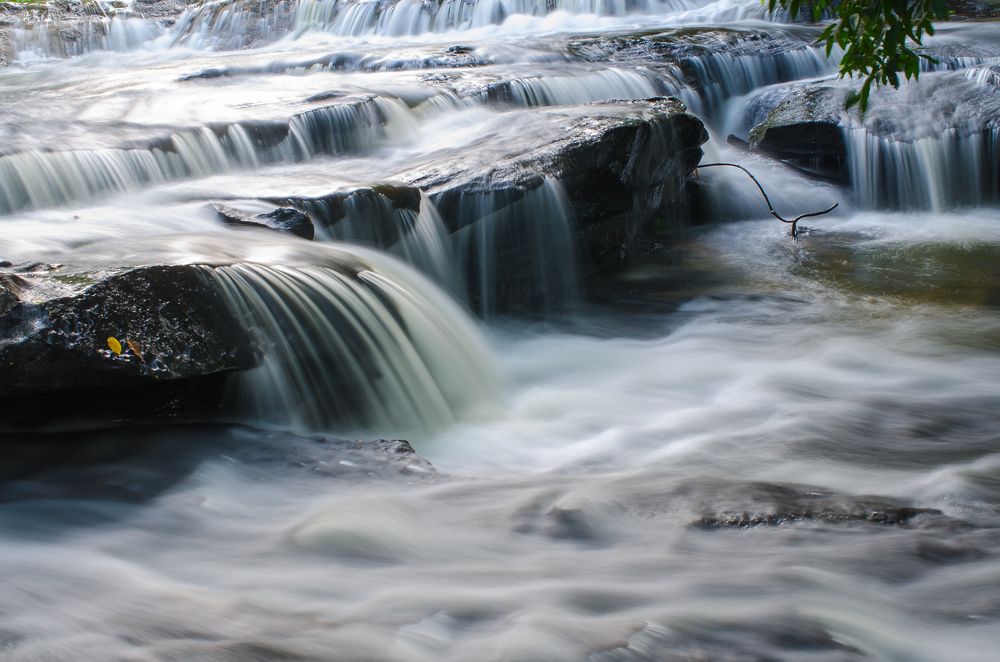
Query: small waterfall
{"x":932,"y":172}
{"x":401,"y":220}
{"x":40,"y":179}
{"x":54,"y":39}
{"x":234,"y":24}
{"x":518,"y":255}
{"x":361,"y":342}
{"x":411,"y":17}
{"x":933,"y":144}
{"x":722,"y":76}
{"x":598,"y":85}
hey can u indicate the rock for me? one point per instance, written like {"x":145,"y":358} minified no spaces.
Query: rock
{"x":11,"y":286}
{"x":748,"y":505}
{"x":134,"y":464}
{"x":976,"y":9}
{"x":807,"y":126}
{"x":171,"y":323}
{"x":330,"y":209}
{"x":236,"y":24}
{"x":282,"y":219}
{"x":621,"y":164}
{"x":802,"y":126}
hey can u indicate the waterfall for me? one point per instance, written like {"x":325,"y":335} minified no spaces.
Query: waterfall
{"x":722,"y":76}
{"x":230,"y":25}
{"x":411,"y":230}
{"x":238,"y":24}
{"x":409,"y":17}
{"x":517,"y":255}
{"x":49,"y":39}
{"x":504,"y":255}
{"x":601,"y":85}
{"x":932,"y":172}
{"x":362,"y":341}
{"x":39,"y":179}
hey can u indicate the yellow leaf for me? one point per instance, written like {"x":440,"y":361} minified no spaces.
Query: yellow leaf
{"x":115,"y":346}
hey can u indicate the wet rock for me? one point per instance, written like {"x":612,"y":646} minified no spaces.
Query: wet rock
{"x":134,"y":464}
{"x":11,"y":286}
{"x":282,"y":219}
{"x":749,"y":505}
{"x":807,"y":126}
{"x":621,"y":164}
{"x":761,"y":639}
{"x":802,"y":126}
{"x":976,"y":9}
{"x":169,"y":322}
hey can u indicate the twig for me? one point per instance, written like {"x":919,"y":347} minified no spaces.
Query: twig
{"x":793,"y":222}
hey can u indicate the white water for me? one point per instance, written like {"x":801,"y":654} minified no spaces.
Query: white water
{"x":575,"y":451}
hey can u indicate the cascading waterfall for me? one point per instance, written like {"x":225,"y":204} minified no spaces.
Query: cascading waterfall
{"x":721,"y":76}
{"x":46,"y":39}
{"x":408,"y":17}
{"x":372,"y":217}
{"x":601,"y":85}
{"x":239,"y":24}
{"x":932,"y":172}
{"x":931,"y":145}
{"x":230,"y":25}
{"x":518,"y":255}
{"x":361,"y":341}
{"x":36,"y":179}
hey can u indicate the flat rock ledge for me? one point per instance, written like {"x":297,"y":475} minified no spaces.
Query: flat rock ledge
{"x":622,"y":165}
{"x":169,"y":323}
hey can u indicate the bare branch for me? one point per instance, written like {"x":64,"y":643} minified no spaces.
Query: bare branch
{"x":793,"y":222}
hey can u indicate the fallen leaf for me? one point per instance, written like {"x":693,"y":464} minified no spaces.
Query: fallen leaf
{"x":135,"y":347}
{"x":115,"y":346}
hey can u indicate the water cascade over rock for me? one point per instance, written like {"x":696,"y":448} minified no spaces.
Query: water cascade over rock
{"x":324,"y":334}
{"x":249,"y":246}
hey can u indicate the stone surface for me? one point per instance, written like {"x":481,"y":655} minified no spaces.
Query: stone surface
{"x":170,"y":321}
{"x":751,"y":504}
{"x":282,"y":219}
{"x":134,"y":464}
{"x":621,"y":164}
{"x":805,"y":124}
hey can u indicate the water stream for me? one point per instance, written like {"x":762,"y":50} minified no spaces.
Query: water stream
{"x":585,"y":449}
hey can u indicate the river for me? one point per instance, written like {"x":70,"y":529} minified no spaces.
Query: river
{"x":743,"y":447}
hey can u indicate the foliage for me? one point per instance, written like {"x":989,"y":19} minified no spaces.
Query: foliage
{"x":877,"y":36}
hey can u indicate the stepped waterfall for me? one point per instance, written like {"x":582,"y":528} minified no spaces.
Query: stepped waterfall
{"x":411,"y":330}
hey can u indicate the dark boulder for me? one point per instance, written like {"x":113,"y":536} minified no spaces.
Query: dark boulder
{"x":802,"y":126}
{"x":755,"y":504}
{"x":169,"y":325}
{"x":282,"y":219}
{"x":137,"y":463}
{"x":621,"y":163}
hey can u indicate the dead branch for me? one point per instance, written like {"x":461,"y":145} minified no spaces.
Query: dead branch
{"x":793,"y":222}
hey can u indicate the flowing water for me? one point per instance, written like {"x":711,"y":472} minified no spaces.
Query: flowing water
{"x":694,"y":468}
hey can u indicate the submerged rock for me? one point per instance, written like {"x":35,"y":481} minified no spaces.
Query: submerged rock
{"x":748,"y":505}
{"x":134,"y":464}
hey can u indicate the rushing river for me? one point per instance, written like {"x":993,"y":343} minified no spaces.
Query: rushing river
{"x":588,"y":458}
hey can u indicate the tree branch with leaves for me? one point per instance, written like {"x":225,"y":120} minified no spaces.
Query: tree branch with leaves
{"x":878,"y":37}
